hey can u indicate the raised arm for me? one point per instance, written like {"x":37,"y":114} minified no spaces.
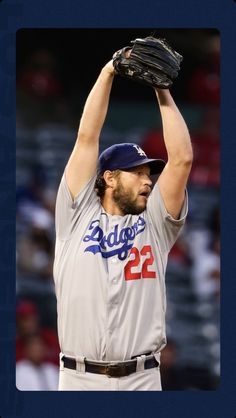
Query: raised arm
{"x":173,"y":179}
{"x":83,"y":160}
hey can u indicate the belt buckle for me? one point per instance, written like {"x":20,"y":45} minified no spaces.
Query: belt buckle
{"x":116,"y":370}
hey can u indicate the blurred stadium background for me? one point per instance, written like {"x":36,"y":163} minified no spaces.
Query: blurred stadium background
{"x":55,"y":70}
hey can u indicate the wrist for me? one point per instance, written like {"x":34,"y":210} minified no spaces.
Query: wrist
{"x":107,"y":72}
{"x":109,"y":68}
{"x":164,"y":96}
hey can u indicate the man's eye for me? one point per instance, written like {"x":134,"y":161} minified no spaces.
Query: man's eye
{"x":140,"y":173}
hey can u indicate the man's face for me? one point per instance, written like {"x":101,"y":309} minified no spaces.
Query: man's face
{"x":132,"y":189}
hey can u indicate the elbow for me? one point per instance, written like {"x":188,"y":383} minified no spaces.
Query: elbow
{"x":186,"y":164}
{"x":188,"y":159}
{"x":184,"y":160}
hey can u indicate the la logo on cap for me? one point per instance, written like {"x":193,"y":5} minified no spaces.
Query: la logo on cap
{"x":140,"y":151}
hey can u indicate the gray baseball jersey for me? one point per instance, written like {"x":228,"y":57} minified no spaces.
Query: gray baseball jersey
{"x":109,"y":275}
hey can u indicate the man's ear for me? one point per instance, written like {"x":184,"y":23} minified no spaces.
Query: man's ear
{"x":109,"y":178}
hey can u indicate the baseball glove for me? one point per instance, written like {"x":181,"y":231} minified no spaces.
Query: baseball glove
{"x":151,"y":61}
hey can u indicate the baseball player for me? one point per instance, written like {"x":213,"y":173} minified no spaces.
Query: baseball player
{"x":114,"y":230}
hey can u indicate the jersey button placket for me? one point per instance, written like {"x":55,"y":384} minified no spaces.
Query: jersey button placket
{"x":114,"y":262}
{"x":114,"y":286}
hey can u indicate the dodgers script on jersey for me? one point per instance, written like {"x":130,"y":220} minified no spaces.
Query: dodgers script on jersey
{"x":109,"y":275}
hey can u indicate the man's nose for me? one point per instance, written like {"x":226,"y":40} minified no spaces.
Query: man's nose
{"x":148,"y":181}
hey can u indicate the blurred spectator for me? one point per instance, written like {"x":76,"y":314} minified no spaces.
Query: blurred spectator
{"x":41,"y":95}
{"x":204,"y":84}
{"x":153,"y":144}
{"x":27,"y":324}
{"x":34,"y":200}
{"x":179,"y":254}
{"x":169,"y":371}
{"x":205,"y":239}
{"x":39,"y":77}
{"x":32,"y":190}
{"x":34,"y":372}
{"x":206,"y":271}
{"x":35,"y":250}
{"x":49,"y":199}
{"x":206,"y":146}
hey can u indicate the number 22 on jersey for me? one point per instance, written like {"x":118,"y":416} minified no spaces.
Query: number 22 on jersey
{"x":140,"y":265}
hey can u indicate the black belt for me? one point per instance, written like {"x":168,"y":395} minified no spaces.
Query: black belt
{"x":120,"y":369}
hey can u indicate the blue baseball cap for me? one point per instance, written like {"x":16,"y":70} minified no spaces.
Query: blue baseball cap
{"x":127,"y":155}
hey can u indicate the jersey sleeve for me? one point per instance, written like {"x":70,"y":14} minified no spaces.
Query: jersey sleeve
{"x":166,"y":227}
{"x":68,"y":211}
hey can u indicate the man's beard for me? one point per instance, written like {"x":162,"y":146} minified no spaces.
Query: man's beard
{"x":125,"y":202}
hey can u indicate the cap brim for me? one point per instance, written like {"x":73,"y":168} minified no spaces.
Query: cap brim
{"x":156,"y":166}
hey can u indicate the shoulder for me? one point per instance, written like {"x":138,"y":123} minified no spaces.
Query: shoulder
{"x":65,"y":194}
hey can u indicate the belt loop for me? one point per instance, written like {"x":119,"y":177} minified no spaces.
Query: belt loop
{"x":61,"y":362}
{"x":80,"y":364}
{"x":140,"y":363}
{"x":158,"y":357}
